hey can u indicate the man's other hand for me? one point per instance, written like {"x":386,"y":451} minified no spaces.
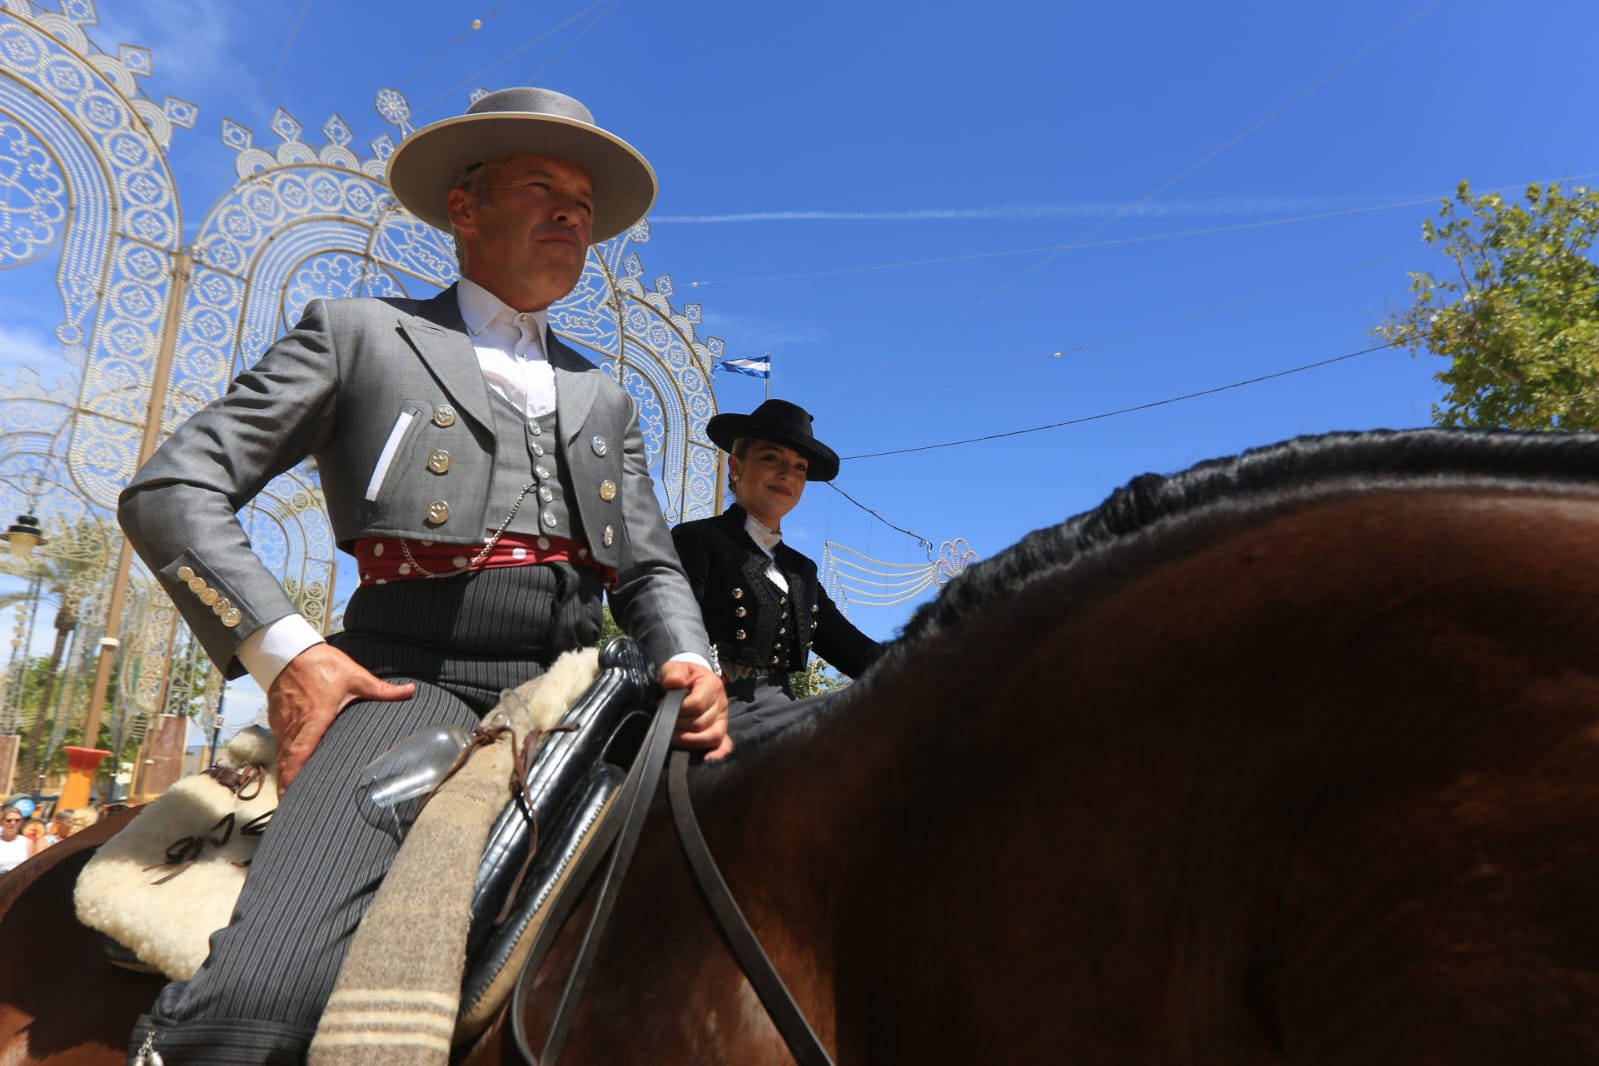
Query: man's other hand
{"x":702,"y":720}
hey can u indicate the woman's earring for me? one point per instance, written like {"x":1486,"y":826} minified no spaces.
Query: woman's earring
{"x":733,"y":478}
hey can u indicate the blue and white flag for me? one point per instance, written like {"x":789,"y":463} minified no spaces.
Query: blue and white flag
{"x":755,"y":368}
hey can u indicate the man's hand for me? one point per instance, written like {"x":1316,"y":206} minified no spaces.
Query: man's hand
{"x":702,"y":720}
{"x":304,"y":699}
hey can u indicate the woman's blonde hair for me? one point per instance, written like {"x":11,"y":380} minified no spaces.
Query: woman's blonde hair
{"x":741,"y":445}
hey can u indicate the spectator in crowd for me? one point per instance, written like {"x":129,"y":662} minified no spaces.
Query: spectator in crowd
{"x":36,"y":831}
{"x":15,"y":849}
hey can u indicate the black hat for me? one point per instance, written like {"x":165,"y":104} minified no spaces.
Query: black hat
{"x":783,"y":423}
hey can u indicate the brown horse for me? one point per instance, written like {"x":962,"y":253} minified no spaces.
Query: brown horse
{"x":1293,"y":758}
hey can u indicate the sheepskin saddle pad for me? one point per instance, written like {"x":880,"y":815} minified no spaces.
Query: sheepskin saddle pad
{"x":165,"y":883}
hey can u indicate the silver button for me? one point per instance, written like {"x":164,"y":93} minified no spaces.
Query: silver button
{"x":546,"y":493}
{"x":738,"y":594}
{"x":439,"y":461}
{"x":780,"y":631}
{"x":535,"y":430}
{"x":608,"y":537}
{"x":538,"y":450}
{"x":542,"y":472}
{"x":774,"y":660}
{"x":607,"y":490}
{"x":600,"y":447}
{"x":738,"y":634}
{"x":782,"y":599}
{"x":550,"y":520}
{"x":184,"y":573}
{"x":438,"y":513}
{"x":444,"y":416}
{"x":740,"y":612}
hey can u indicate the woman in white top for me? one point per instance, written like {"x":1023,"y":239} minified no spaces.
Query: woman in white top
{"x":15,"y":848}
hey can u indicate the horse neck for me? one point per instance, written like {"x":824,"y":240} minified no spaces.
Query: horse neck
{"x":782,"y":824}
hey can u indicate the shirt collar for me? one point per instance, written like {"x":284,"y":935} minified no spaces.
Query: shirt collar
{"x":764,"y":538}
{"x":479,"y":307}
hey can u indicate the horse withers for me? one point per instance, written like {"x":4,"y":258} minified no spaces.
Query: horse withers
{"x":1289,"y":758}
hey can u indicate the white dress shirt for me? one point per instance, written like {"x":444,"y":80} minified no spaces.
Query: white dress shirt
{"x":510,"y":349}
{"x":767,"y":540}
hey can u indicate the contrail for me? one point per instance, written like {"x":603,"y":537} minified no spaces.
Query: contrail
{"x":1036,"y":212}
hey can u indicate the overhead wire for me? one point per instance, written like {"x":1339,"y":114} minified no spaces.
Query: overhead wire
{"x":584,"y":32}
{"x":539,"y":39}
{"x":923,"y":541}
{"x":1009,"y":369}
{"x":476,"y":25}
{"x":1152,"y":404}
{"x":288,"y":46}
{"x":1126,"y":410}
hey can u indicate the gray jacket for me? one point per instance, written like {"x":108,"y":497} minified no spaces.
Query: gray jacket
{"x":338,"y":388}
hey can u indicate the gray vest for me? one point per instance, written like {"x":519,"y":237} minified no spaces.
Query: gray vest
{"x":544,"y":509}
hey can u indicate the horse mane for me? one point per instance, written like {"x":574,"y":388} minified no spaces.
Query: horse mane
{"x":1305,"y":468}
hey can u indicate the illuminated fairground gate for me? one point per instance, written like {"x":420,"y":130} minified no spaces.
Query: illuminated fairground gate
{"x":150,"y":328}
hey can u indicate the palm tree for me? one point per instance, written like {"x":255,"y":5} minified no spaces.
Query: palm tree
{"x":68,"y":567}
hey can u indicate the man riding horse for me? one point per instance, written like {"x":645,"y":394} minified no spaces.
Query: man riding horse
{"x":492,"y":486}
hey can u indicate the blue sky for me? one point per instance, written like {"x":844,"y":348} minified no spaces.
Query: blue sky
{"x":951,"y":221}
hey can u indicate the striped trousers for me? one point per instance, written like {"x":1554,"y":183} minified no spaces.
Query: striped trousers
{"x":463,"y":640}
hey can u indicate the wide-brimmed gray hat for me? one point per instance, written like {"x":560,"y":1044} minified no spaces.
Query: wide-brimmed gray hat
{"x":522,"y":121}
{"x":783,"y":423}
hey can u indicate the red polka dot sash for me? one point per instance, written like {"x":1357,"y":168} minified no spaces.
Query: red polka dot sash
{"x":381,"y":560}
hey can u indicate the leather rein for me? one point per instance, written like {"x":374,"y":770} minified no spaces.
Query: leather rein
{"x":634,"y":802}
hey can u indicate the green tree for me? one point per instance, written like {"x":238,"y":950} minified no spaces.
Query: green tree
{"x":608,"y":626}
{"x":1517,"y":316}
{"x":34,"y":674}
{"x":816,"y":679}
{"x":67,"y":568}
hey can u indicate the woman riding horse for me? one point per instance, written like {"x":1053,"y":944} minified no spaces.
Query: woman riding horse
{"x":764,"y":606}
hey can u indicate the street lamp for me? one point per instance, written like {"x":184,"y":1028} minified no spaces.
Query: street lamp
{"x":23,"y":536}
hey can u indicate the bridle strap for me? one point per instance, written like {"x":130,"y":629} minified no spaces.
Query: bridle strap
{"x":736,"y":933}
{"x":633,"y":801}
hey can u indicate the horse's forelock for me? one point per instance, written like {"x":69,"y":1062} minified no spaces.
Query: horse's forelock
{"x":1334,"y":462}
